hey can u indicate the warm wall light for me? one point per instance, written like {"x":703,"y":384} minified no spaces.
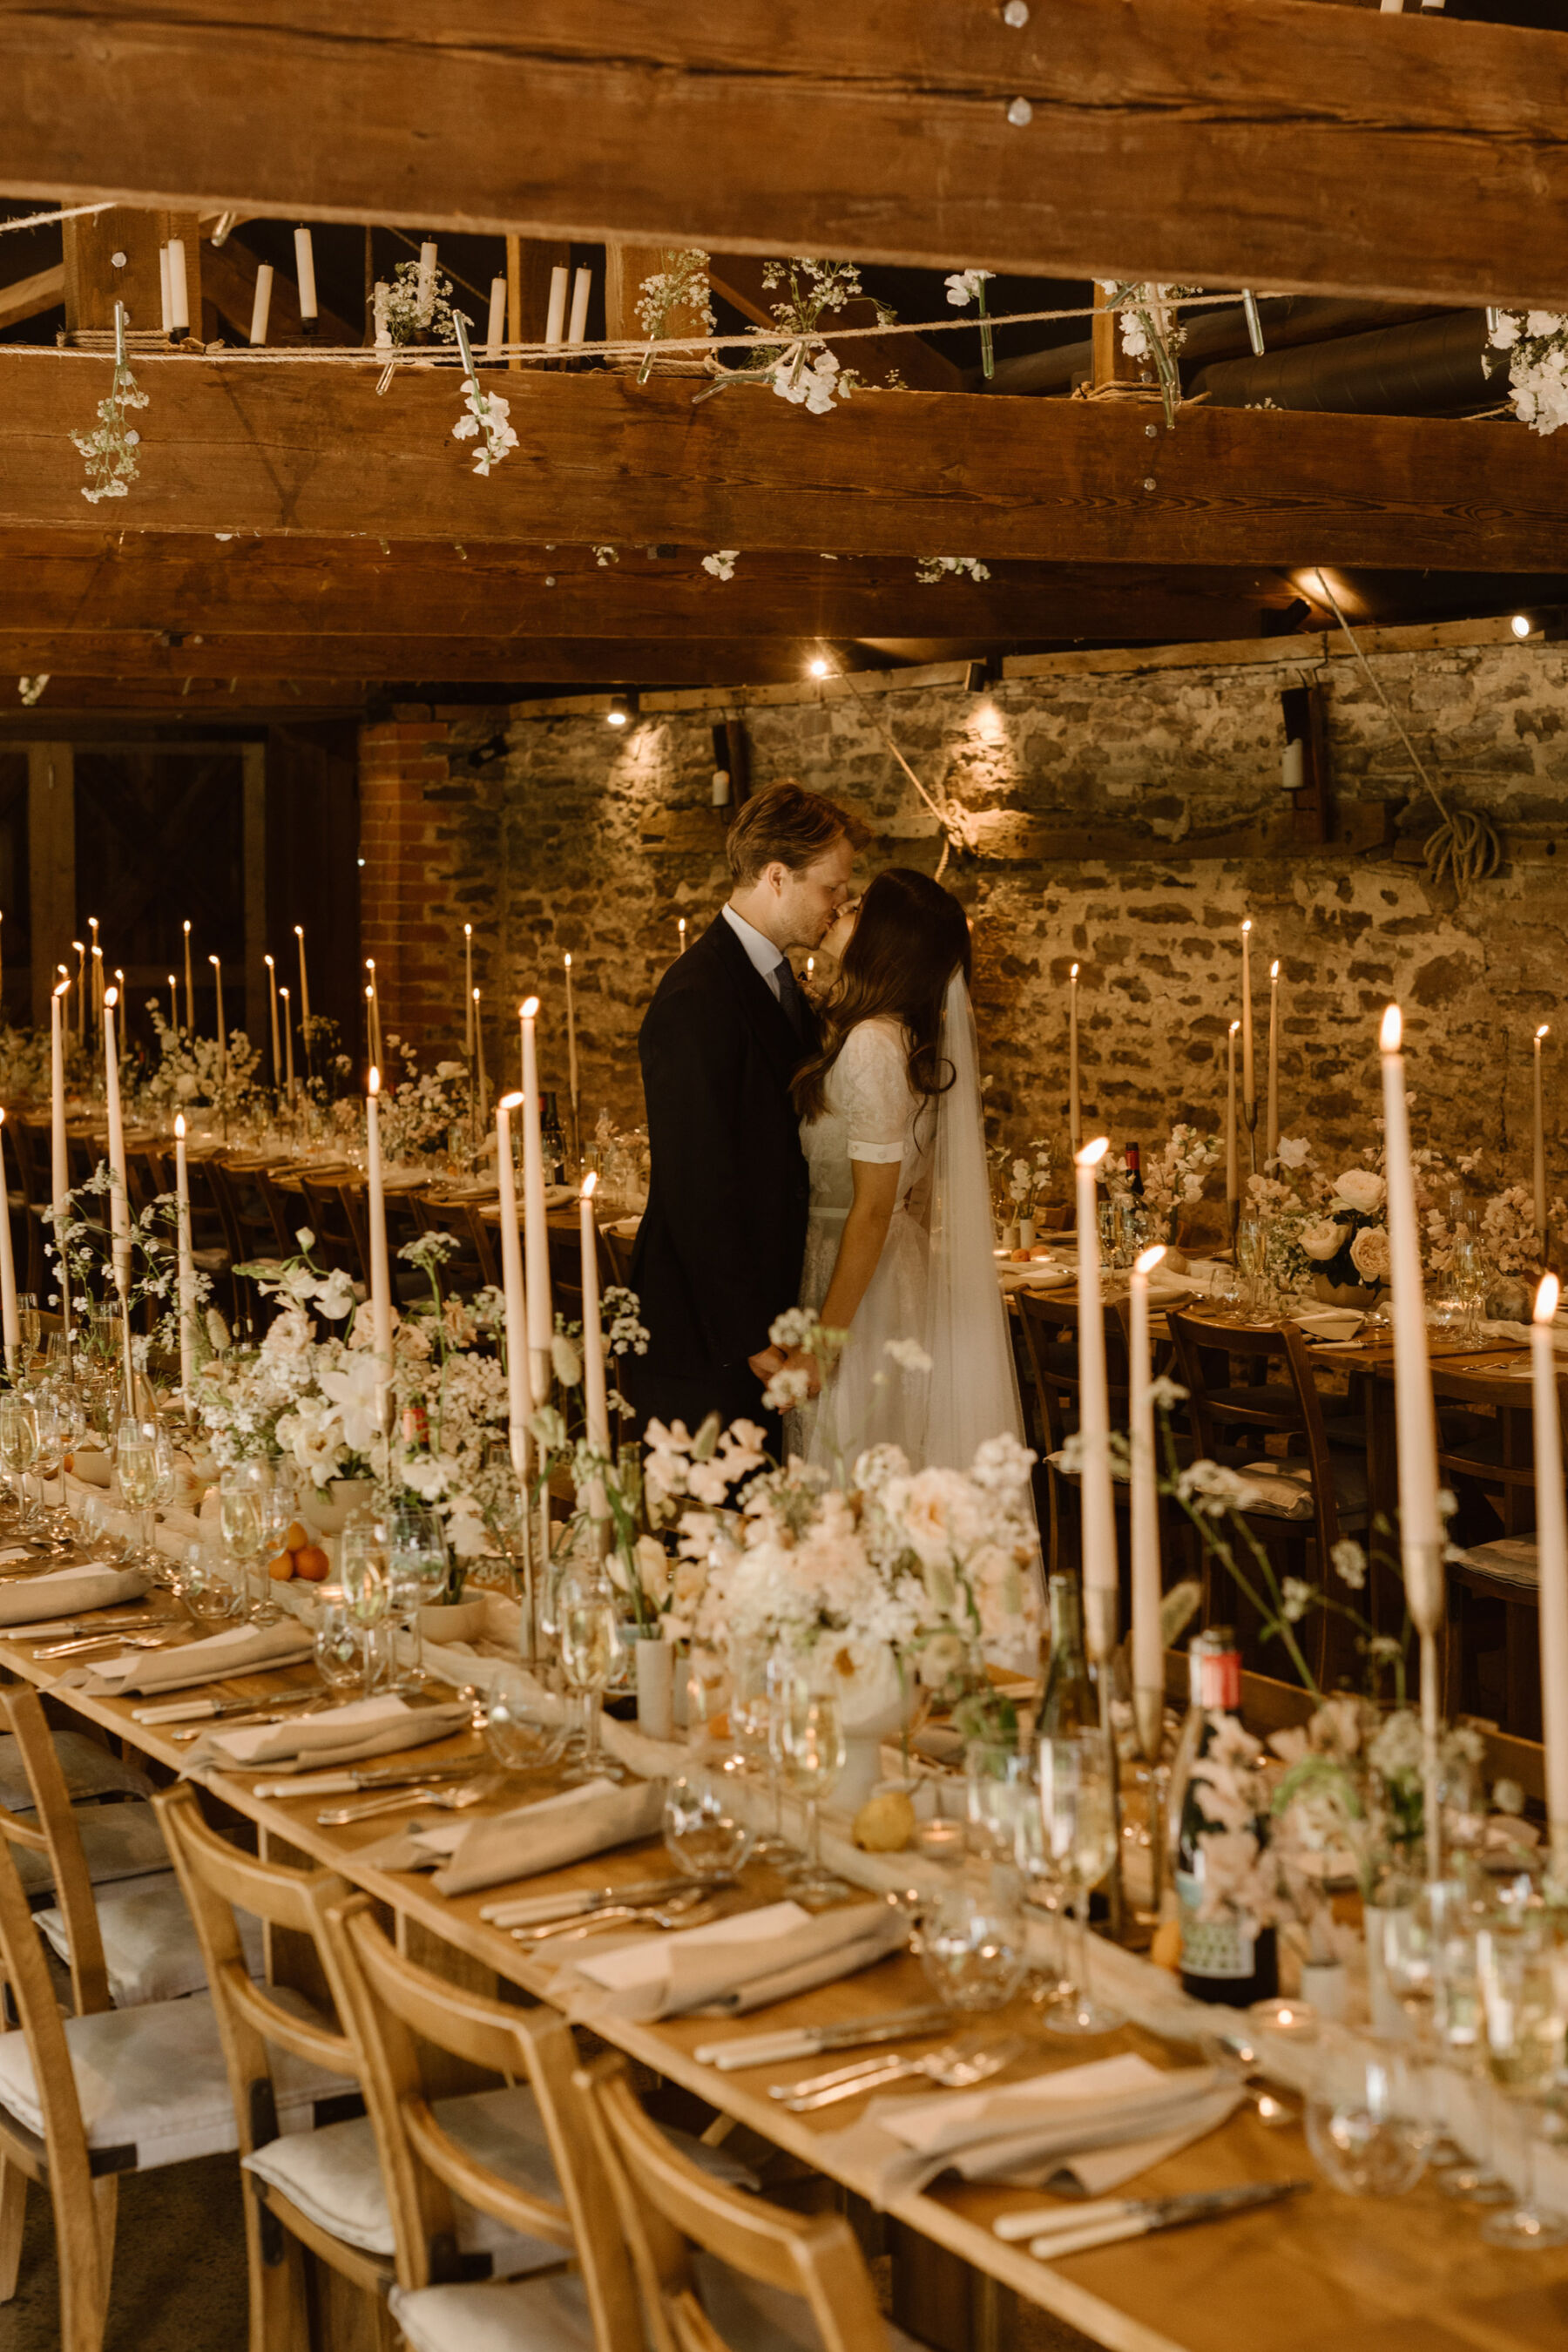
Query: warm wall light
{"x":1522,"y":625}
{"x":818,"y":666}
{"x":619,"y":713}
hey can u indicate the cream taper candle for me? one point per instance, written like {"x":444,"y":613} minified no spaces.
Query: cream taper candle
{"x":1539,"y":1134}
{"x":380,"y":1277}
{"x":59,"y":1165}
{"x":536,"y":1238}
{"x":288,"y":1044}
{"x":1248,"y":1076}
{"x":1231,"y":1170}
{"x":119,"y":1205}
{"x":185,"y":1268}
{"x":1552,"y":1559}
{"x":519,"y":1387}
{"x":572,"y":1093}
{"x":1148,"y":1650}
{"x":1075,"y":1107}
{"x":1273,"y":1125}
{"x":190,"y":987}
{"x":468,"y":990}
{"x":10,"y":1321}
{"x":595,"y":1400}
{"x":1096,"y":1504}
{"x":272,"y":1009}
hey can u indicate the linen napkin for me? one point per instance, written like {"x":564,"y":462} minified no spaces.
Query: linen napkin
{"x":1083,"y":2129}
{"x":1520,"y":1332}
{"x":733,"y":1965}
{"x":339,"y":1735}
{"x":1516,"y":1557}
{"x":67,"y":1591}
{"x":546,"y":1837}
{"x":238,"y":1650}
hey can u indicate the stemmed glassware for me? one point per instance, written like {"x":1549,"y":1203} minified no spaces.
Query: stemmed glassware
{"x":1522,"y":2007}
{"x":753,"y":1672}
{"x":336,"y":1640}
{"x":1078,"y":1817}
{"x":418,"y":1568}
{"x":365,"y":1573}
{"x":242,"y":1515}
{"x":18,"y":1450}
{"x":806,"y":1736}
{"x":136,"y":1469}
{"x":590,"y":1640}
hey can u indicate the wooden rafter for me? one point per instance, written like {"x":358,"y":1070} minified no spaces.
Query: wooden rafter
{"x":278,"y":446}
{"x":1259,"y":142}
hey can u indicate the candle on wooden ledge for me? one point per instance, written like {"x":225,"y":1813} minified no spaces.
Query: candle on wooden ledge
{"x":1148,"y":1650}
{"x":1273,"y":1126}
{"x":536,"y":1239}
{"x":1231,"y":1170}
{"x":596,"y":1401}
{"x":1074,"y":1107}
{"x":518,"y":1388}
{"x":1096,"y":1507}
{"x":60,"y":1172}
{"x":119,"y":1205}
{"x":190,"y":987}
{"x":185,"y":1263}
{"x":380,"y":1278}
{"x":10,"y":1321}
{"x":1540,"y":1132}
{"x":468,"y":990}
{"x":1552,"y":1561}
{"x":272,"y":1009}
{"x":305,"y":275}
{"x":1248,"y":1076}
{"x":495,"y":330}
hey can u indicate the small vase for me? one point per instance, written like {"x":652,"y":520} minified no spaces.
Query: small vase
{"x":1326,"y":1984}
{"x":654,"y":1660}
{"x":446,"y":1622}
{"x":1008,"y":1238}
{"x":1025,"y":1232}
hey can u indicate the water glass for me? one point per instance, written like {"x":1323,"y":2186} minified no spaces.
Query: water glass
{"x":338,"y":1645}
{"x":136,"y":1473}
{"x":363,"y":1571}
{"x":704,"y":1834}
{"x":973,"y":1950}
{"x":999,"y":1790}
{"x":29,"y":1324}
{"x":242,"y":1515}
{"x":18,"y":1449}
{"x":590,"y":1637}
{"x":1523,"y":2012}
{"x":524,"y":1731}
{"x":1077,"y":1815}
{"x":753,"y":1671}
{"x":1365,"y":2116}
{"x":806,"y":1735}
{"x":419,"y":1569}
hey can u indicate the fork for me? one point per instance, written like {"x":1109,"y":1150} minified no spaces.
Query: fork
{"x":691,"y":1910}
{"x":957,"y":2067}
{"x":397,"y":1801}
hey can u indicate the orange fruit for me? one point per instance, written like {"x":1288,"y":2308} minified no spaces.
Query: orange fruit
{"x":297,"y":1538}
{"x":311,"y":1562}
{"x":280,"y":1569}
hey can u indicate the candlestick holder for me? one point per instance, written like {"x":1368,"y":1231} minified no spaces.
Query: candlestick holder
{"x":1099,"y":1640}
{"x":1149,"y":1715}
{"x":1249,"y":1121}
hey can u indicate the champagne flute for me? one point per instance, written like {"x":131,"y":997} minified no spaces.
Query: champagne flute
{"x":136,"y":1469}
{"x":1079,"y":1817}
{"x":754,"y":1675}
{"x":1520,"y":1984}
{"x":417,"y":1568}
{"x":242,"y":1515}
{"x":807,"y":1733}
{"x":590,"y":1638}
{"x":363,"y":1571}
{"x":18,"y":1449}
{"x":29,"y":1325}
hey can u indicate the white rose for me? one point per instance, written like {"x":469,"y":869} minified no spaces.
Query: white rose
{"x":1323,"y":1239}
{"x":1369,"y":1254}
{"x":1361,"y":1188}
{"x":1294,"y":1152}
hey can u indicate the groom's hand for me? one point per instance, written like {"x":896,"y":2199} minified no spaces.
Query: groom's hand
{"x":799,"y":1360}
{"x":767,"y":1363}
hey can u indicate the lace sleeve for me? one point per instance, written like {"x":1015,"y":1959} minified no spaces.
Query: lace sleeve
{"x":871,"y":1083}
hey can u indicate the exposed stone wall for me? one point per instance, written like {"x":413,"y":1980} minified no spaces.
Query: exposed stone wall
{"x":561,"y":834}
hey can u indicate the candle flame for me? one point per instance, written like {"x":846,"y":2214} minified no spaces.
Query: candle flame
{"x":369,"y":994}
{"x":299,"y":930}
{"x":468,"y":931}
{"x":1093,"y":1154}
{"x":63,"y":988}
{"x":510,"y":1102}
{"x":180,"y":1124}
{"x":528,"y":1008}
{"x":1392,"y":1032}
{"x":590,"y":1184}
{"x":1149,"y":1259}
{"x":374,"y":1079}
{"x":1273,"y":969}
{"x":476,"y":996}
{"x":187,"y":926}
{"x":284,"y":995}
{"x":1542,"y":1032}
{"x":268,"y":961}
{"x":1248,"y":924}
{"x":213,"y":959}
{"x":1546,"y":1298}
{"x":78,"y":946}
{"x":568,"y":958}
{"x":1073,"y":974}
{"x":112,"y":997}
{"x":1233,"y":1027}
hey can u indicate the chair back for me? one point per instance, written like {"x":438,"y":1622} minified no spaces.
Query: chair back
{"x":667,"y":2207}
{"x":53,"y":1834}
{"x":283,"y":1210}
{"x":1222,"y":1415}
{"x":324,"y":1214}
{"x":217,"y":1881}
{"x":1051,"y":1344}
{"x":396,"y":2006}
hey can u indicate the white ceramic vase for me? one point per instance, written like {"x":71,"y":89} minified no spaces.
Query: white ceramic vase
{"x":655,"y":1661}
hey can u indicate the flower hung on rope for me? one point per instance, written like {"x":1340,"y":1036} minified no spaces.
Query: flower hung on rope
{"x":487,"y":413}
{"x":111,"y":451}
{"x":1537,"y":344}
{"x":967,"y":286}
{"x":801,"y":370}
{"x":1152,"y":331}
{"x":722,"y":564}
{"x":31,"y":690}
{"x":930,"y":569}
{"x":604,"y":556}
{"x":411,"y":317}
{"x":680,"y":285}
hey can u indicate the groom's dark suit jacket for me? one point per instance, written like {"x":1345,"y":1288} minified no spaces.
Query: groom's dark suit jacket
{"x":719,"y":1251}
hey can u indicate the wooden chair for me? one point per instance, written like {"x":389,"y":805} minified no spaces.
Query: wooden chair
{"x":1050,"y":1352}
{"x":1233,"y":1423}
{"x":398,"y":2008}
{"x":28,"y":1197}
{"x":716,"y":2269}
{"x":324,"y":1214}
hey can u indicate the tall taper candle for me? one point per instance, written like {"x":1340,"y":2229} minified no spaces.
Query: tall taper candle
{"x":60,"y":1172}
{"x":185,"y":1269}
{"x":272,"y":1009}
{"x":481,"y":1081}
{"x":190,"y":987}
{"x":468,"y":990}
{"x":10,"y":1321}
{"x":82,"y":990}
{"x":1148,"y":1651}
{"x":536,"y":1240}
{"x":1248,"y":1078}
{"x":595,"y":1402}
{"x":173,"y":1001}
{"x":1232,"y":1173}
{"x":216,"y":964}
{"x":1273,"y":1151}
{"x":1551,"y":1557}
{"x":119,"y":1205}
{"x":288,"y":1044}
{"x":380,"y":1279}
{"x":1098,"y":1518}
{"x":519,"y":1387}
{"x":1540,"y":1107}
{"x":1075,"y":1107}
{"x":98,"y":987}
{"x":572,"y":1093}
{"x":304,"y":1002}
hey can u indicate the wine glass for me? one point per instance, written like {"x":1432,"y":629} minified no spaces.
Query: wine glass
{"x":1078,"y":1813}
{"x":1365,"y":2119}
{"x":590,"y":1635}
{"x":752,"y":1674}
{"x":48,"y":1462}
{"x":29,"y":1324}
{"x":524,"y":1731}
{"x":136,"y":1470}
{"x":242,"y":1515}
{"x":18,"y":1450}
{"x":999,"y":1789}
{"x":806,"y":1735}
{"x":336,"y":1643}
{"x":418,"y":1568}
{"x":1522,"y":2013}
{"x":363,"y":1571}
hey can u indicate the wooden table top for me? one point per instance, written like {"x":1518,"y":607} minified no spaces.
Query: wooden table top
{"x":1314,"y":2275}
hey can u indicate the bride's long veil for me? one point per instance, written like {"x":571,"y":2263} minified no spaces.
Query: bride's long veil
{"x":973,"y":1391}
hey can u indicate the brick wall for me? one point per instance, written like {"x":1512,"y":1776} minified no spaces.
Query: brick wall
{"x":553,"y":831}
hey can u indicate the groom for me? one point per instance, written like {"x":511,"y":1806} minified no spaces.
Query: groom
{"x":719,"y":1251}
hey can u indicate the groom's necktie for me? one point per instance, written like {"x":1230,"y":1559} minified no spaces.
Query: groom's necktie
{"x":791,"y":999}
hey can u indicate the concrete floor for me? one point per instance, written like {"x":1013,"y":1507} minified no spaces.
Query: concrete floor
{"x":179,"y":2266}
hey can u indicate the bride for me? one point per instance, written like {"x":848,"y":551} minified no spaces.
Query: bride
{"x":898,"y":1247}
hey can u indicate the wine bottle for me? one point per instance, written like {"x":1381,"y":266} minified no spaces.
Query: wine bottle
{"x":1228,"y":1959}
{"x":1135,"y":1160}
{"x":1068,"y":1704}
{"x":552,"y":1142}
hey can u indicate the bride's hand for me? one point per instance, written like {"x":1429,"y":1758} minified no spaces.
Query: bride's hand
{"x":799,"y":1360}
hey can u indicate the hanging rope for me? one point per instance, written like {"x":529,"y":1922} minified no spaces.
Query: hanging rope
{"x":1464,"y":848}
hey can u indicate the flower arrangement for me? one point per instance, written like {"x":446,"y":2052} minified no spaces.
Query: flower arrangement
{"x":1174,"y":1177}
{"x":193,"y":1070}
{"x":110,"y":448}
{"x":83,"y":1234}
{"x":1026,"y":1181}
{"x":680,"y":285}
{"x":1348,"y":1240}
{"x":413,"y":313}
{"x":418,"y":1114}
{"x":1536,"y":342}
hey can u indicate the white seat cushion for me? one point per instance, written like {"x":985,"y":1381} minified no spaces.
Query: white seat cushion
{"x":548,"y":2315}
{"x":151,"y":2082}
{"x":90,"y":1770}
{"x":117,"y":1841}
{"x":1285,"y":1488}
{"x":150,"y":1947}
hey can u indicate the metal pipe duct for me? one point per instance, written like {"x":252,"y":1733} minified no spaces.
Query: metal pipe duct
{"x":1435,"y":365}
{"x":1211,"y":335}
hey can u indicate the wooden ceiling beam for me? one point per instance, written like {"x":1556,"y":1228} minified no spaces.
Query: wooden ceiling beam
{"x":1219,"y":141}
{"x":154,"y":583}
{"x":31,"y":297}
{"x":244,"y":445}
{"x":502,"y":662}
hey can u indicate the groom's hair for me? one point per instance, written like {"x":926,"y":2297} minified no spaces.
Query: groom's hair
{"x":786,"y":826}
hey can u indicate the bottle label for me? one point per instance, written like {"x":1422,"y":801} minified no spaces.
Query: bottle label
{"x":1212,"y":1948}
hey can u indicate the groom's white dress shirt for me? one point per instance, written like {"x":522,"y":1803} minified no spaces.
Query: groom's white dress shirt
{"x":762,"y":952}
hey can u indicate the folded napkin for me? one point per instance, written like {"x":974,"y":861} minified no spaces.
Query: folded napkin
{"x":339,"y":1735}
{"x":238,"y":1650}
{"x":67,"y":1591}
{"x":1520,"y":1332}
{"x":1285,"y":1491}
{"x":1328,"y":1322}
{"x":1513,"y":1556}
{"x":546,"y":1837}
{"x":733,"y":1965}
{"x":1164,"y":1288}
{"x":1083,"y":2129}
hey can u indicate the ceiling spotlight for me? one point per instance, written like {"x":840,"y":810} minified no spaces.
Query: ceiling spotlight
{"x":1522,"y":625}
{"x":619,"y":713}
{"x":817,"y":665}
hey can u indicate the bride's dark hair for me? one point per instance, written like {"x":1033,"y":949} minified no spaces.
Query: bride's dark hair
{"x":910,"y":937}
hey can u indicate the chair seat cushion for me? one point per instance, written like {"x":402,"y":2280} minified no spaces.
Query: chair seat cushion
{"x":117,"y":1841}
{"x":150,"y":1947}
{"x":1285,"y":1488}
{"x":334,"y":2177}
{"x":152,"y":2086}
{"x":1515,"y":1560}
{"x":90,"y":1770}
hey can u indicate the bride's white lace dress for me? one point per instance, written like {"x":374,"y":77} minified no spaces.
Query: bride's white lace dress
{"x":872,"y":1114}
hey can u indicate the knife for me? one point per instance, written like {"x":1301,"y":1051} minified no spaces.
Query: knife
{"x":541,"y":1910}
{"x":1058,"y":2230}
{"x":810,"y":2041}
{"x":344,"y":1782}
{"x":198,"y":1712}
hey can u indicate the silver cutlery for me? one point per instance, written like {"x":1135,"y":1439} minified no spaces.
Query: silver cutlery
{"x":541,"y":1910}
{"x":105,"y":1641}
{"x":395,"y":1801}
{"x":343,"y":1781}
{"x":240,"y":1713}
{"x":958,"y":2067}
{"x":1059,"y":2231}
{"x":738,"y":2051}
{"x":693,"y":1910}
{"x":59,"y":1627}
